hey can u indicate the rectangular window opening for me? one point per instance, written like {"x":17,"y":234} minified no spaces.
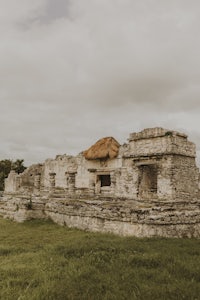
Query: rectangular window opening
{"x":105,"y":180}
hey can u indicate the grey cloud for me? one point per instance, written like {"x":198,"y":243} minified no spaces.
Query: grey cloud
{"x":56,"y":9}
{"x":80,"y":70}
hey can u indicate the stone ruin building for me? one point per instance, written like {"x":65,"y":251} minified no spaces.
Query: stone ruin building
{"x":146,"y":187}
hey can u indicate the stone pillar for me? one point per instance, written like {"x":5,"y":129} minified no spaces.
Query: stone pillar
{"x":18,"y":182}
{"x":113,"y":181}
{"x":92,"y":180}
{"x":67,"y":179}
{"x":72,"y":181}
{"x":97,"y":185}
{"x":52,"y":181}
{"x":37,"y":179}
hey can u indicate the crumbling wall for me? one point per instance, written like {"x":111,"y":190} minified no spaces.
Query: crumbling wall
{"x":28,"y":176}
{"x":119,"y":216}
{"x":84,"y":178}
{"x":12,"y":182}
{"x":126,"y":179}
{"x":128,"y":218}
{"x":24,"y":181}
{"x":185,"y":177}
{"x":60,"y":165}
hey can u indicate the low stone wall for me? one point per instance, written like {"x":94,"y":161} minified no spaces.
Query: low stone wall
{"x":119,"y":216}
{"x":21,"y":208}
{"x":126,"y":229}
{"x":128,"y":217}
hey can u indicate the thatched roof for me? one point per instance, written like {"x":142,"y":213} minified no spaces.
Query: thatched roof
{"x":104,"y":148}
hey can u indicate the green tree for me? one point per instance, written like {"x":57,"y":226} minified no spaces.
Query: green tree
{"x":6,"y":166}
{"x":18,"y":166}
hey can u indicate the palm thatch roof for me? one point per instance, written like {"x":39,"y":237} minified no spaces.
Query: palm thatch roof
{"x":104,"y":148}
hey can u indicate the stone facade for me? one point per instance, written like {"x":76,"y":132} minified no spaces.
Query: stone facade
{"x":151,"y":188}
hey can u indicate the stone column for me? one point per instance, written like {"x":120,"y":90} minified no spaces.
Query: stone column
{"x":72,"y":181}
{"x":18,"y":182}
{"x":113,"y":181}
{"x":92,"y":180}
{"x":37,"y":179}
{"x":97,"y":185}
{"x":67,"y":179}
{"x":52,"y":181}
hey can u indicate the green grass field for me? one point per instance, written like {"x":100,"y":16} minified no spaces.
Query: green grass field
{"x":41,"y":260}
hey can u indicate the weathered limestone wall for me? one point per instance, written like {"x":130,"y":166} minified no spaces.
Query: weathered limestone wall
{"x":59,"y":166}
{"x":165,"y":187}
{"x":127,"y":229}
{"x":84,"y":177}
{"x":119,"y":216}
{"x":126,"y":180}
{"x":20,"y":207}
{"x":28,"y":177}
{"x":12,"y":183}
{"x":24,"y":181}
{"x":185,"y":177}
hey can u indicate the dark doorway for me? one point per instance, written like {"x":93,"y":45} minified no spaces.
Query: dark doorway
{"x":105,"y":180}
{"x":148,"y":179}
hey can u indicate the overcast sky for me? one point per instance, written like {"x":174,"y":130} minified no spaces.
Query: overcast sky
{"x":73,"y":71}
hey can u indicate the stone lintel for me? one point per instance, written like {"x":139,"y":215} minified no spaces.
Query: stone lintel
{"x":52,"y":174}
{"x":104,"y":171}
{"x":39,"y":174}
{"x":71,"y":172}
{"x":92,"y":170}
{"x":157,"y":155}
{"x":146,"y":162}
